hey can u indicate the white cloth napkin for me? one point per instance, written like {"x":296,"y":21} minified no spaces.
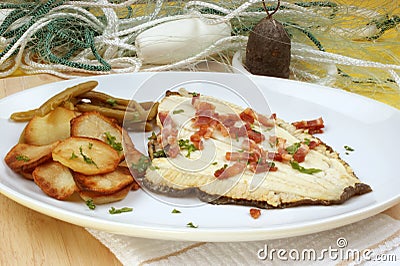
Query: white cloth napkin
{"x":372,"y":241}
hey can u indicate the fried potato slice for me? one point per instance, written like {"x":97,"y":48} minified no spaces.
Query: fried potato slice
{"x":99,"y":198}
{"x":42,"y":130}
{"x":23,"y":158}
{"x":55,"y":180}
{"x":85,"y":155}
{"x":96,"y":125}
{"x":104,"y":188}
{"x":27,"y":175}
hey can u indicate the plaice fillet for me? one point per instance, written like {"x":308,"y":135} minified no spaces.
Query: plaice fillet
{"x":181,"y":175}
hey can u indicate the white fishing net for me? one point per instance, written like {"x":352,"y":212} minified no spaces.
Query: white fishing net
{"x":342,"y":43}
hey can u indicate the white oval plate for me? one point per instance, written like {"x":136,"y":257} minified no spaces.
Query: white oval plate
{"x":370,"y":127}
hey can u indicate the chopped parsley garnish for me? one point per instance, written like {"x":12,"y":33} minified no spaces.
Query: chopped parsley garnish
{"x":90,"y":204}
{"x":293,"y":148}
{"x":348,"y":148}
{"x":214,"y":163}
{"x":143,"y":163}
{"x":191,"y":225}
{"x":90,"y":145}
{"x":194,"y":94}
{"x":306,"y":141}
{"x":111,"y":101}
{"x":179,"y":111}
{"x":310,"y":171}
{"x":87,"y":159}
{"x":73,"y":156}
{"x":160,"y":153}
{"x":176,"y":211}
{"x":110,"y":140}
{"x":22,"y":158}
{"x":184,"y":145}
{"x":117,"y":211}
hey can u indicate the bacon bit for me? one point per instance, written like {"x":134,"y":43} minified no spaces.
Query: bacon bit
{"x":314,"y":126}
{"x":201,"y":120}
{"x":195,"y":137}
{"x":248,"y":115}
{"x":195,"y":99}
{"x":280,"y":156}
{"x":205,"y":113}
{"x":238,"y":156}
{"x":256,"y":136}
{"x":196,"y":140}
{"x":313,"y":144}
{"x":228,"y":120}
{"x":249,"y":144}
{"x":280,"y":142}
{"x":205,"y":106}
{"x":224,"y":131}
{"x":218,"y":172}
{"x":301,"y":153}
{"x":263,"y":167}
{"x":162,"y":115}
{"x":173,"y":150}
{"x":275,"y":156}
{"x":285,"y":155}
{"x":236,"y":132}
{"x":246,"y":118}
{"x":313,"y":131}
{"x":168,"y":133}
{"x":265,"y":121}
{"x":255,"y":213}
{"x":209,"y":132}
{"x":230,"y":171}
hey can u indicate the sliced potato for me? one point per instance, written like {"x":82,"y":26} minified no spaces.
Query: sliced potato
{"x":95,"y":125}
{"x":55,"y":180}
{"x":23,"y":158}
{"x":99,"y":198}
{"x":104,"y":188}
{"x":27,"y":175}
{"x":42,"y":130}
{"x":85,"y":155}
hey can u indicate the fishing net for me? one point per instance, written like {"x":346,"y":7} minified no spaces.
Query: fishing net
{"x":343,"y":43}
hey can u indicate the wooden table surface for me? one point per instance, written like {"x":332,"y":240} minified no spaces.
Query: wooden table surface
{"x":31,"y":238}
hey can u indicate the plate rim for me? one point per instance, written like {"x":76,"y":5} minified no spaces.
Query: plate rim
{"x":199,"y":234}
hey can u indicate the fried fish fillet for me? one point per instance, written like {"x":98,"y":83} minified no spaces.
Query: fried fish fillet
{"x":320,"y":177}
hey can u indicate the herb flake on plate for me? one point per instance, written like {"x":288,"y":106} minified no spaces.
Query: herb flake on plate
{"x":117,"y":211}
{"x":191,"y":225}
